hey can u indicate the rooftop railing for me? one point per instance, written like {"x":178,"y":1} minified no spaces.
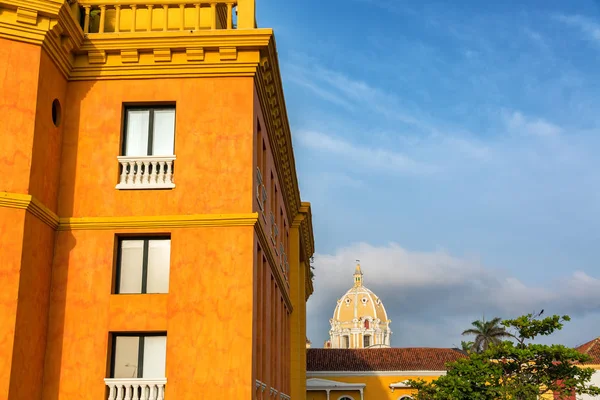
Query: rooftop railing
{"x":137,"y":16}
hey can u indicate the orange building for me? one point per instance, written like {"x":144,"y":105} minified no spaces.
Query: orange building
{"x":153,"y":238}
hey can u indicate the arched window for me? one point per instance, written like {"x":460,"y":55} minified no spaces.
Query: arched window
{"x":405,"y":398}
{"x":345,"y":398}
{"x":366,"y":324}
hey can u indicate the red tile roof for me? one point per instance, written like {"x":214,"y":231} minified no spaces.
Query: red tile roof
{"x":592,"y":349}
{"x":386,"y":359}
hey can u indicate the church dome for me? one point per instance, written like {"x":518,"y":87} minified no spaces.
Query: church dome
{"x":359,"y":302}
{"x":359,"y":319}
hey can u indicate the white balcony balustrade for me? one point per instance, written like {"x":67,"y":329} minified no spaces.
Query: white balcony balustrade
{"x":135,"y":389}
{"x":146,"y":172}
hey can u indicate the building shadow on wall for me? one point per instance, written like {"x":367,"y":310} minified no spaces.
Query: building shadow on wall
{"x":65,"y":243}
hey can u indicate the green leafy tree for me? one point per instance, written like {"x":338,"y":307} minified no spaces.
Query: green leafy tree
{"x":486,"y":333}
{"x":514,"y":370}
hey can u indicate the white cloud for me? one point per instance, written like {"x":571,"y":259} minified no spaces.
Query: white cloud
{"x":363,"y":156}
{"x":519,"y":123}
{"x":586,"y":25}
{"x":428,"y":292}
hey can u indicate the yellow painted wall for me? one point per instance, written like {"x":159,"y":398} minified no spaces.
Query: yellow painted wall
{"x":377,"y":387}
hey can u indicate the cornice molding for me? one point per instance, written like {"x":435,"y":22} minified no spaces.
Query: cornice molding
{"x":36,"y":208}
{"x":270,"y":93}
{"x":275,"y":270}
{"x":51,"y":26}
{"x":157,"y":222}
{"x":45,"y":7}
{"x":97,"y":71}
{"x":31,"y":205}
{"x":247,"y":39}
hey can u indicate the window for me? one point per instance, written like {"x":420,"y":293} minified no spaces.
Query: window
{"x":138,"y":356}
{"x":346,"y":342}
{"x":405,"y":398}
{"x":366,"y":324}
{"x":149,"y":131}
{"x":366,"y":341}
{"x":345,"y":398}
{"x":143,"y":265}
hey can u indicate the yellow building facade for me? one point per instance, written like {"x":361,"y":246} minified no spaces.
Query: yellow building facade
{"x":154,"y":240}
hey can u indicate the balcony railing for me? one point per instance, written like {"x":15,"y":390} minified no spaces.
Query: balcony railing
{"x":136,"y":16}
{"x":135,"y":389}
{"x":146,"y":172}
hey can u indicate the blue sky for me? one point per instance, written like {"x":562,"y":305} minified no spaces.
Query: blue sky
{"x":452,"y":148}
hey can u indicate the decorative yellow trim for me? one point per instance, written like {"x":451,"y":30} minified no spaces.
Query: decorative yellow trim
{"x":270,"y":95}
{"x":162,"y":55}
{"x":129,"y":56}
{"x":158,"y":222}
{"x":31,"y":204}
{"x":162,"y":70}
{"x":27,"y":16}
{"x":228,"y":53}
{"x":97,"y":57}
{"x":46,"y":7}
{"x":268,"y":251}
{"x":252,"y":38}
{"x":195,"y":54}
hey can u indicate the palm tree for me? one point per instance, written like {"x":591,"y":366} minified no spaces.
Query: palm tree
{"x":467,"y":347}
{"x":486,"y":333}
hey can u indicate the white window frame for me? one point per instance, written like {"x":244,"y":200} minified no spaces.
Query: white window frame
{"x":151,"y":111}
{"x":145,"y":260}
{"x":138,"y":370}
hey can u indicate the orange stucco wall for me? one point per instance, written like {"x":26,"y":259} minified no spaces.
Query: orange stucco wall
{"x":213,"y":146}
{"x":45,"y":164}
{"x":12,"y":226}
{"x":19,"y":71}
{"x":32,"y":310}
{"x":205,"y":314}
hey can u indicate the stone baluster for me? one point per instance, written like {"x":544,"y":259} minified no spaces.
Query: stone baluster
{"x":86,"y":23}
{"x":117,"y":18}
{"x":161,"y":393}
{"x":169,"y":173}
{"x":150,"y":9}
{"x":213,"y":12}
{"x":155,"y":173}
{"x":136,"y":392}
{"x":137,"y":178}
{"x":128,"y":389}
{"x":147,"y":173}
{"x":229,"y":15}
{"x":102,"y":18}
{"x":111,"y":392}
{"x":166,"y":18}
{"x":152,"y":392}
{"x":133,"y":15}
